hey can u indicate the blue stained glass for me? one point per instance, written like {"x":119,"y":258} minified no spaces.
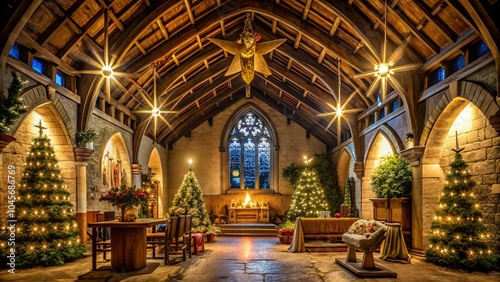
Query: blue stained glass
{"x":264,"y":163}
{"x":37,"y":65}
{"x":266,"y":132}
{"x":14,"y":51}
{"x":379,"y":98}
{"x":60,"y":79}
{"x":235,"y":162}
{"x":249,"y":163}
{"x":382,"y":114}
{"x":395,"y":105}
{"x":441,"y":74}
{"x":483,"y":49}
{"x":457,"y":63}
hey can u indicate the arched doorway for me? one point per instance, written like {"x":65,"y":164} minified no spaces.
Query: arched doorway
{"x":380,"y":146}
{"x":15,"y":153}
{"x":154,"y":167}
{"x":345,"y":170}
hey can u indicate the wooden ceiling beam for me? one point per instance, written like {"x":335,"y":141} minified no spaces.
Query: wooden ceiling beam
{"x":335,"y":25}
{"x":85,"y":29}
{"x":450,"y":36}
{"x":189,"y":11}
{"x":47,"y":35}
{"x":457,"y":7}
{"x":307,"y":7}
{"x":30,"y":43}
{"x":417,"y":33}
{"x":222,"y":28}
{"x":397,"y":38}
{"x":189,"y":121}
{"x":205,"y":23}
{"x":266,"y":82}
{"x":159,"y":22}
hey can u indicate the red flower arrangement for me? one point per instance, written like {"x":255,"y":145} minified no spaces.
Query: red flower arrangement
{"x":125,"y":197}
{"x":286,"y":232}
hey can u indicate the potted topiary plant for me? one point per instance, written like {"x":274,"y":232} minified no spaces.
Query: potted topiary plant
{"x":392,"y":182}
{"x":11,"y":108}
{"x":84,"y":145}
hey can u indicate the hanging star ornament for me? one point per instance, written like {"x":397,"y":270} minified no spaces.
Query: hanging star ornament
{"x":156,"y":110}
{"x":384,"y":70}
{"x":248,"y":54}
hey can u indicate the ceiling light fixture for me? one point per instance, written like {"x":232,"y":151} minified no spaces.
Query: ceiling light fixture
{"x":384,"y":71}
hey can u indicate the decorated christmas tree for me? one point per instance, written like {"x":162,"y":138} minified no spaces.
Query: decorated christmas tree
{"x":11,"y":107}
{"x":46,"y":232}
{"x":309,"y":197}
{"x":189,"y":200}
{"x":458,"y":237}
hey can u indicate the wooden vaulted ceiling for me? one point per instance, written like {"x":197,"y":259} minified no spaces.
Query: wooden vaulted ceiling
{"x":172,"y":36}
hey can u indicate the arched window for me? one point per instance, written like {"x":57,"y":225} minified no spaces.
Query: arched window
{"x":250,"y":154}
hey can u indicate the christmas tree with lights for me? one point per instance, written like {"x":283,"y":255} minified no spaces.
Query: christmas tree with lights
{"x":458,"y":237}
{"x":189,"y":200}
{"x":309,"y":197}
{"x":46,"y":232}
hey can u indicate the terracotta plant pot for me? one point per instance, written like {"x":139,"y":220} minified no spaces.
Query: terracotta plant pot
{"x":82,"y":154}
{"x":284,"y":239}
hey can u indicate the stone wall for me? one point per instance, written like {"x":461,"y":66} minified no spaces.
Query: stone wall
{"x":203,"y":148}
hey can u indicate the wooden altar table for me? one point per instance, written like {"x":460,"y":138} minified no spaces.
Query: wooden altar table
{"x":249,"y":215}
{"x":128,"y":242}
{"x":330,"y":228}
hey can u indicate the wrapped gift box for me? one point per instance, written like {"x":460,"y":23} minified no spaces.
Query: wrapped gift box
{"x":198,"y":245}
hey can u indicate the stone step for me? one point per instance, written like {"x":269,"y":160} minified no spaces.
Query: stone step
{"x":248,"y":229}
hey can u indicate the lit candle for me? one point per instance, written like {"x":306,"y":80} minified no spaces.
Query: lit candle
{"x":190,"y":161}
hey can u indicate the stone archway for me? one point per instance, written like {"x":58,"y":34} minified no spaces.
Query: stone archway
{"x":465,"y":123}
{"x":15,"y":152}
{"x":156,"y":168}
{"x":380,"y":146}
{"x":345,"y":169}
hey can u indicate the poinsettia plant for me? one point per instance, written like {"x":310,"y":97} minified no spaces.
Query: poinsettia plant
{"x":286,"y":228}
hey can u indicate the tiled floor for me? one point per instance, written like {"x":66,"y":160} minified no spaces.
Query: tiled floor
{"x":245,"y":259}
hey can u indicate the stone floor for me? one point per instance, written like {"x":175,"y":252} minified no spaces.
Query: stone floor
{"x":245,"y":259}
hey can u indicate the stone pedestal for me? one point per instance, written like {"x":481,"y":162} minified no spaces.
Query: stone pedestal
{"x":136,"y":175}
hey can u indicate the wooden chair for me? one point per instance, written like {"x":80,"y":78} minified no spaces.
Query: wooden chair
{"x":168,"y":240}
{"x":101,"y":236}
{"x":157,"y":238}
{"x":185,"y":237}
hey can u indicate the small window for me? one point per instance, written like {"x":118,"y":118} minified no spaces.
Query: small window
{"x":59,"y":78}
{"x":382,"y":114}
{"x":37,"y":65}
{"x":395,"y":105}
{"x":379,"y":98}
{"x":457,"y":64}
{"x":436,"y":76}
{"x":483,"y":49}
{"x":14,"y":51}
{"x":371,"y":120}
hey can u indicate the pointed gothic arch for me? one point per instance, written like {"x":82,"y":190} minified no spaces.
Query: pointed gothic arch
{"x":271,"y":143}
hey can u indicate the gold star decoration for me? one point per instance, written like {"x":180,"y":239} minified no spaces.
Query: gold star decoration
{"x":248,"y":54}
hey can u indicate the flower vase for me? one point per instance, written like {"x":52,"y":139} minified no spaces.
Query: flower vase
{"x":122,"y":213}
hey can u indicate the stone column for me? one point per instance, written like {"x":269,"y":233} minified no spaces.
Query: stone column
{"x":136,"y":175}
{"x":81,"y":199}
{"x":82,"y":157}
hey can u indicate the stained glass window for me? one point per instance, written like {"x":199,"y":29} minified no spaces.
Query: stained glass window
{"x":264,"y":163}
{"x":250,"y":154}
{"x":234,"y":162}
